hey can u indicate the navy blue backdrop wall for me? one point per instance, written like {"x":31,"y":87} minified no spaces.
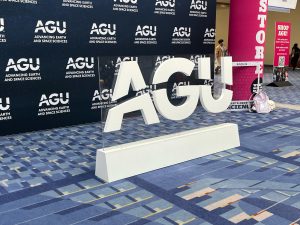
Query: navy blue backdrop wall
{"x":54,"y":51}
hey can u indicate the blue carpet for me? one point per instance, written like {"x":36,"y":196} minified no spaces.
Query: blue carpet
{"x":48,"y":177}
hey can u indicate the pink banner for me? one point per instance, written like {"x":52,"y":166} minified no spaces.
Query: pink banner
{"x":247,"y":36}
{"x":282,"y":44}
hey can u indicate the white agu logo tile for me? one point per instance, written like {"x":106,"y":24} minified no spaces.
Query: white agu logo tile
{"x":198,"y":8}
{"x":126,"y":6}
{"x":53,"y":104}
{"x":1,"y":24}
{"x":5,"y":113}
{"x":33,"y":2}
{"x":194,"y":59}
{"x":80,"y":67}
{"x":2,"y":31}
{"x":103,"y":99}
{"x":145,"y":35}
{"x":209,"y":36}
{"x":51,"y":32}
{"x":182,"y":36}
{"x":104,"y":33}
{"x":165,"y":7}
{"x":23,"y":69}
{"x":78,"y":4}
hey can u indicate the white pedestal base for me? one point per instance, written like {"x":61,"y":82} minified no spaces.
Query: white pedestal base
{"x":119,"y":162}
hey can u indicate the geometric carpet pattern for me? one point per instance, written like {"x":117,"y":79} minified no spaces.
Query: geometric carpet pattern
{"x":48,"y":177}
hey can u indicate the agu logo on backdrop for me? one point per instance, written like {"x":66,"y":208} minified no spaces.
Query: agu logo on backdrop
{"x":195,"y":59}
{"x":198,"y":8}
{"x":55,"y":103}
{"x":102,"y":99}
{"x":145,"y":35}
{"x":126,"y":6}
{"x":33,"y":2}
{"x":165,"y":7}
{"x":5,"y":109}
{"x":1,"y":24}
{"x":78,"y":4}
{"x":50,"y":32}
{"x":23,"y":69}
{"x":2,"y":31}
{"x":81,"y":67}
{"x":103,"y":33}
{"x":209,"y":36}
{"x":182,"y":36}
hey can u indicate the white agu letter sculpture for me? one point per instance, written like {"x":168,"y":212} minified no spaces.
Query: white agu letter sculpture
{"x":131,"y":159}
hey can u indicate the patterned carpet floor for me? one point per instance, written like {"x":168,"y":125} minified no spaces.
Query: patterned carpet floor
{"x":47,"y":177}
